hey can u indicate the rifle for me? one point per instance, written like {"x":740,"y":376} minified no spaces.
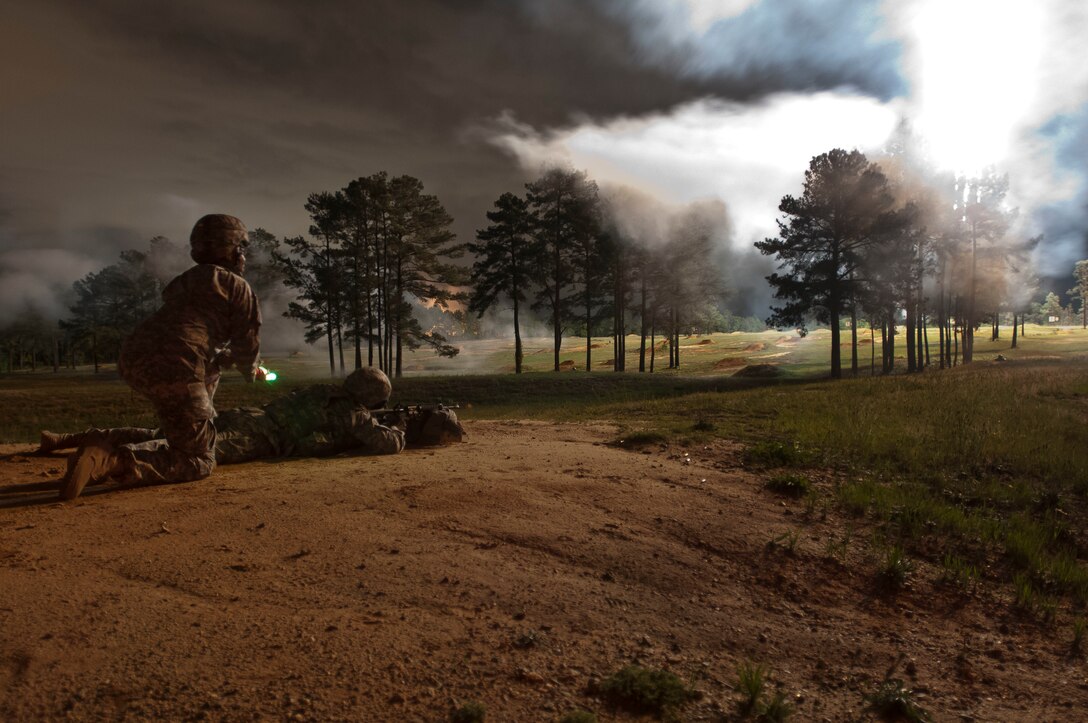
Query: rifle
{"x":410,"y":411}
{"x":414,"y":420}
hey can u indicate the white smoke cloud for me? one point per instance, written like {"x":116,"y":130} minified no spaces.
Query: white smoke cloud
{"x":747,"y":156}
{"x":38,"y":280}
{"x":984,"y":83}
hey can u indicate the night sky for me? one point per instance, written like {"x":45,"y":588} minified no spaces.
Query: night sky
{"x":122,"y":120}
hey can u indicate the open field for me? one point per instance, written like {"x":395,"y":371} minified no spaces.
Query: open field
{"x":878,"y":545}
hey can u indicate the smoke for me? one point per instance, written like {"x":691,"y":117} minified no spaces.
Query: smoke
{"x":984,"y":83}
{"x":746,"y":156}
{"x":38,"y":281}
{"x":280,"y":334}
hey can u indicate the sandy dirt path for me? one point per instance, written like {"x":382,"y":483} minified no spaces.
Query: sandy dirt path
{"x":513,"y":569}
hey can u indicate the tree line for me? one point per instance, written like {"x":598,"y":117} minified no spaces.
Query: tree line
{"x":560,"y":251}
{"x":878,"y":244}
{"x":892,"y":245}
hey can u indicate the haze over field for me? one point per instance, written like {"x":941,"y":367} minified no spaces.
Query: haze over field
{"x":121,"y":124}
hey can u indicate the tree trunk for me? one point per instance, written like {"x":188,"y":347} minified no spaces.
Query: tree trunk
{"x":912,"y":361}
{"x":883,"y":347}
{"x":854,"y":340}
{"x":891,"y":340}
{"x":399,"y":295}
{"x":676,"y":334}
{"x":589,"y":331}
{"x":518,"y":353}
{"x":956,"y":348}
{"x":1014,"y":327}
{"x":356,"y":313}
{"x":969,"y":321}
{"x":653,"y":340}
{"x":836,"y":352}
{"x":642,"y":323}
{"x":872,"y":348}
{"x":925,"y":340}
{"x":940,"y":324}
{"x":340,"y":346}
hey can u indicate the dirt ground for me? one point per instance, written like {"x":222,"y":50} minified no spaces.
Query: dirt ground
{"x":513,"y":570}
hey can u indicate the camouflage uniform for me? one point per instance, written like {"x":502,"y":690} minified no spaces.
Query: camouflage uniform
{"x":317,"y":421}
{"x":171,"y":359}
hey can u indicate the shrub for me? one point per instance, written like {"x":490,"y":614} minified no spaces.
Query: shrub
{"x":471,"y":712}
{"x":893,"y":700}
{"x":645,"y":690}
{"x":790,"y":485}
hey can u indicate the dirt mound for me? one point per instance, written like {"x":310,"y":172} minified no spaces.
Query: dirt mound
{"x":705,"y":341}
{"x":863,"y":342}
{"x":567,"y":366}
{"x":759,"y":371}
{"x":758,"y":346}
{"x":731,"y":362}
{"x":786,"y":340}
{"x":607,"y":363}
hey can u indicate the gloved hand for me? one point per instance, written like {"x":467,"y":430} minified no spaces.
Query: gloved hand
{"x":398,"y":421}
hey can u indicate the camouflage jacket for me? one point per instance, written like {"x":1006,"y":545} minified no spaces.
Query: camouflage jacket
{"x":322,"y":420}
{"x":204,"y":309}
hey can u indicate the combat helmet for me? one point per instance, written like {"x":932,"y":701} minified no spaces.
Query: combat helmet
{"x":216,"y":239}
{"x":369,"y":386}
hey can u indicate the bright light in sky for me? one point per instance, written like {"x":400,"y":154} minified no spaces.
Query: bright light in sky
{"x":976,"y":68}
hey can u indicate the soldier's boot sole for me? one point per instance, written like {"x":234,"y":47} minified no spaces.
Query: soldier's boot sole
{"x":92,"y":463}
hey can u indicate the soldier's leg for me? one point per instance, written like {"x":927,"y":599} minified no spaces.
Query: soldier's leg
{"x":186,"y":451}
{"x":243,"y":435}
{"x":50,"y":442}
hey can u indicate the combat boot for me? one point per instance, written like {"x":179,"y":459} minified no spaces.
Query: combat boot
{"x":51,"y":442}
{"x":93,"y":462}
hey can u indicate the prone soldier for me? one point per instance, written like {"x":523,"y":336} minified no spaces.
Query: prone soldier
{"x":317,"y":421}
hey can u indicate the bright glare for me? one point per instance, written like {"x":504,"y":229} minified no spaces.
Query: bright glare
{"x":977,"y":62}
{"x":271,"y":377}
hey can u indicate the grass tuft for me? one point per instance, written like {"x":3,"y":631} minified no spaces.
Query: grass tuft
{"x":958,"y":571}
{"x":579,"y":716}
{"x":894,"y":700}
{"x":789,"y":485}
{"x":776,"y":710}
{"x":896,"y":569}
{"x":646,"y":690}
{"x":774,"y":454}
{"x":470,"y":712}
{"x":750,"y":682}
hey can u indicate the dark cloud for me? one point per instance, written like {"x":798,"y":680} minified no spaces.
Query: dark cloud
{"x":125,"y":121}
{"x":805,"y":45}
